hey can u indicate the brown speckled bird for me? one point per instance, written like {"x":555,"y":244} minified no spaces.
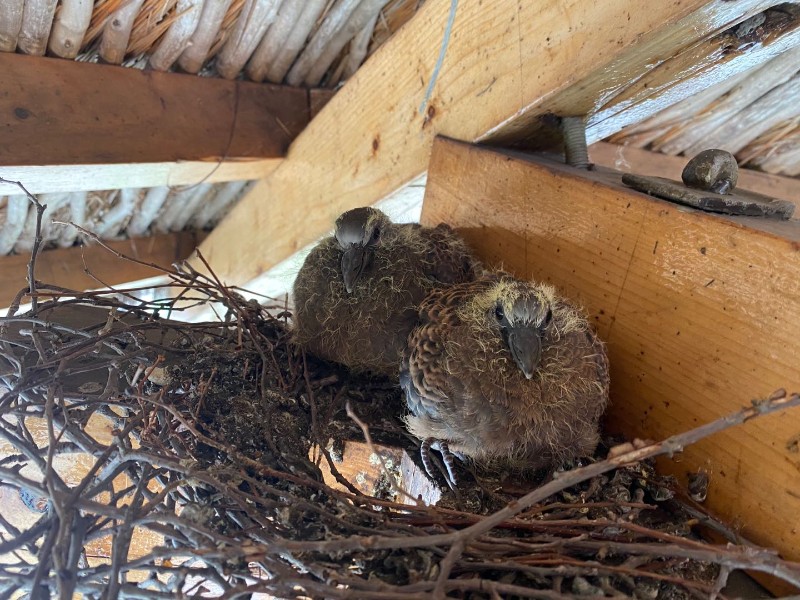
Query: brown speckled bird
{"x":356,"y":295}
{"x":500,"y":368}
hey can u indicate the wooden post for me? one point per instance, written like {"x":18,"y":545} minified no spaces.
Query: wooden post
{"x":699,"y":311}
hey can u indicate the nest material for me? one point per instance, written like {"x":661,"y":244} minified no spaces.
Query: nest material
{"x":207,"y":459}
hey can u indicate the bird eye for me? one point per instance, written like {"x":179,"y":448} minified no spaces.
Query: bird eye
{"x":547,"y":318}
{"x":376,"y":234}
{"x":498,"y":312}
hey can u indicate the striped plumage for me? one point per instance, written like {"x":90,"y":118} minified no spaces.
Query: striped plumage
{"x":501,"y":369}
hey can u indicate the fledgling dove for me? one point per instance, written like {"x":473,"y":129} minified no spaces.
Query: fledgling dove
{"x":505,"y":369}
{"x":357,"y":293}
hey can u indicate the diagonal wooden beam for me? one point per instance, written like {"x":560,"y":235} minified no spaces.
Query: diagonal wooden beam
{"x":467,"y":70}
{"x":57,"y":112}
{"x":92,"y":266}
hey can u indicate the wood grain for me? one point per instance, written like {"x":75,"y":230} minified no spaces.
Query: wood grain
{"x":611,"y":100}
{"x":504,"y":62}
{"x":67,"y":267}
{"x":56,"y":112}
{"x":78,"y":178}
{"x":699,"y":312}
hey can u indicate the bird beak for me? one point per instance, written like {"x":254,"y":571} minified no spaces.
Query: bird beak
{"x":526,"y":349}
{"x":352,"y":265}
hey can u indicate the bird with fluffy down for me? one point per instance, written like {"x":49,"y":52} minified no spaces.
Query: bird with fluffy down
{"x":500,"y":369}
{"x":357,"y":293}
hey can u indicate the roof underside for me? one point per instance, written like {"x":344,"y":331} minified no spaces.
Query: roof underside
{"x":755,"y":114}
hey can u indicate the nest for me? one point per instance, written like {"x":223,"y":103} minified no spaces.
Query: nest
{"x":206,"y":440}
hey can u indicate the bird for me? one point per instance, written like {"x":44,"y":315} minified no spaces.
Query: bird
{"x":500,"y":371}
{"x":357,"y":292}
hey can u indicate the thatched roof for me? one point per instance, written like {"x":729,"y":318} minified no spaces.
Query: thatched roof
{"x":299,"y":42}
{"x":755,"y":115}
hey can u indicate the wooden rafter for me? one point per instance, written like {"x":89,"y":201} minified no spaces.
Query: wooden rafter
{"x":57,"y":112}
{"x":484,"y":70}
{"x":79,"y":178}
{"x":92,"y":266}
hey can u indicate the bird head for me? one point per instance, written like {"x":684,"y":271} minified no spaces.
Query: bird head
{"x":523,"y":313}
{"x":359,"y":233}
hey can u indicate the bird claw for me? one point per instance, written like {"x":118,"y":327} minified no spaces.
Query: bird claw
{"x":448,"y":457}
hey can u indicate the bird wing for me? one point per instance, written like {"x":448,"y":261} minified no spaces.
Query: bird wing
{"x":448,"y":259}
{"x":421,"y":376}
{"x":429,"y":386}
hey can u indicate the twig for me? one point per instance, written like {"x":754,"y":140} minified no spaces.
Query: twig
{"x":318,"y":436}
{"x":221,"y":502}
{"x":628,"y":454}
{"x":37,"y":240}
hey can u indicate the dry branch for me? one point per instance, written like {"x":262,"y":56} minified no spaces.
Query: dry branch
{"x":37,"y":19}
{"x":199,"y":46}
{"x":117,"y":32}
{"x":274,"y":41}
{"x":16,"y":215}
{"x":366,"y":12}
{"x":255,"y":18}
{"x":359,"y":47}
{"x":177,"y":37}
{"x":10,"y":23}
{"x":334,"y":21}
{"x":69,"y":27}
{"x":296,"y":40}
{"x":147,"y":210}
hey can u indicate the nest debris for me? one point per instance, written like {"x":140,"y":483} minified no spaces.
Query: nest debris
{"x":213,"y":427}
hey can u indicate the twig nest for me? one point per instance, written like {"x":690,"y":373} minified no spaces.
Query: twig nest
{"x":713,"y":171}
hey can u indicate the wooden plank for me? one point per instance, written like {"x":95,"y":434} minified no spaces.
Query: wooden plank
{"x":502,"y":62}
{"x":79,"y":178}
{"x":644,"y":162}
{"x":699,"y":312}
{"x":67,"y":267}
{"x":318,"y":98}
{"x":57,"y":112}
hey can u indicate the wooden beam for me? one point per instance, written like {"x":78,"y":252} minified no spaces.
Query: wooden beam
{"x":79,"y":178}
{"x":317,"y":99}
{"x":57,"y":112}
{"x":689,"y":69}
{"x":699,"y":312}
{"x":70,"y":267}
{"x":500,"y":63}
{"x":644,"y":162}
